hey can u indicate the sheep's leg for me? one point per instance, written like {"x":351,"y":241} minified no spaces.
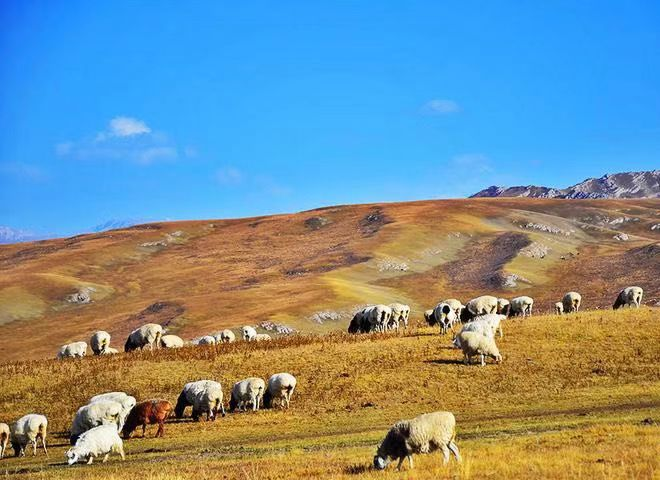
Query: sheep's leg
{"x":398,"y":467}
{"x":105,"y":457}
{"x":34,"y":447}
{"x":410,"y":461}
{"x":144,"y":429}
{"x":454,"y":449}
{"x":161,"y":428}
{"x":445,"y":454}
{"x":120,"y":450}
{"x":43,"y":444}
{"x":466,"y":359}
{"x":483,"y":360}
{"x":90,"y":460}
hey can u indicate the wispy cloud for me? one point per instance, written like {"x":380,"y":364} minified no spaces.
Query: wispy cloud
{"x":23,"y":171}
{"x":125,"y":138}
{"x":439,"y":106}
{"x":228,"y":176}
{"x":232,"y":177}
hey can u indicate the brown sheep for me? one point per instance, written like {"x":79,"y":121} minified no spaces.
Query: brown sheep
{"x":147,"y":413}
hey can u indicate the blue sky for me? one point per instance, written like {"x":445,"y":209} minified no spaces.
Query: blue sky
{"x":182,"y":110}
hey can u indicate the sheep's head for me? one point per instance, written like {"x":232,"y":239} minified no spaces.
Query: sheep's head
{"x":380,"y":462}
{"x":19,"y":450}
{"x":498,"y":358}
{"x":72,"y":456}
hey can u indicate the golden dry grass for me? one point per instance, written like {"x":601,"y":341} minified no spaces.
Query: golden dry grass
{"x":569,"y":401}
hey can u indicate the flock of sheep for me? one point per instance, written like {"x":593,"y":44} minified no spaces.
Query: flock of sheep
{"x":96,"y":427}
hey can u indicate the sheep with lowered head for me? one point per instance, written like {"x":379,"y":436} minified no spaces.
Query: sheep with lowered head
{"x":479,"y":306}
{"x":126,"y":401}
{"x":101,"y":440}
{"x":488,"y":325}
{"x":455,"y":304}
{"x":4,"y":438}
{"x":503,"y":306}
{"x":475,"y":343}
{"x":521,"y":306}
{"x":72,"y":350}
{"x":205,"y":340}
{"x":378,"y":317}
{"x":629,"y":296}
{"x":148,"y":334}
{"x":280,"y":388}
{"x":171,"y":341}
{"x":400,"y":313}
{"x":444,"y":316}
{"x":559,"y":308}
{"x":109,"y":351}
{"x":205,"y":397}
{"x":102,"y":412}
{"x":429,"y":318}
{"x":572,"y":302}
{"x":247,"y":392}
{"x":29,"y":429}
{"x":226,"y":336}
{"x":249,"y":333}
{"x":423,"y":434}
{"x":99,"y":342}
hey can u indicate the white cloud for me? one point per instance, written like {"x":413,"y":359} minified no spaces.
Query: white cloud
{"x":126,"y":138}
{"x":440,"y":106}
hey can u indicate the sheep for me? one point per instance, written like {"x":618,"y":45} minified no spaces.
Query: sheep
{"x":479,"y":306}
{"x":72,"y":350}
{"x":205,"y":396}
{"x":429,"y":317}
{"x":101,"y":440}
{"x":629,"y":296}
{"x":147,"y":413}
{"x":355,"y":326}
{"x":378,"y":316}
{"x":475,"y":343}
{"x":400,"y":313}
{"x":280,"y":388}
{"x":262,"y":337}
{"x":503,"y":306}
{"x":29,"y":429}
{"x":99,"y":342}
{"x":444,"y":316}
{"x":249,"y":333}
{"x":148,"y":334}
{"x":4,"y":438}
{"x":171,"y":341}
{"x":126,"y":401}
{"x":487,"y":325}
{"x":572,"y":302}
{"x":456,"y":305}
{"x":559,"y":308}
{"x":101,"y":412}
{"x":205,"y":340}
{"x":423,"y":434}
{"x":226,"y":336}
{"x":248,"y":391}
{"x":109,"y":351}
{"x":521,"y":306}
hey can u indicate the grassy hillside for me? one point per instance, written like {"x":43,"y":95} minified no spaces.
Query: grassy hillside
{"x":312,"y":269}
{"x":576,"y":396}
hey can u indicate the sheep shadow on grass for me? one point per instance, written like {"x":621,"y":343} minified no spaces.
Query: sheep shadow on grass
{"x":357,"y":469}
{"x":445,"y":361}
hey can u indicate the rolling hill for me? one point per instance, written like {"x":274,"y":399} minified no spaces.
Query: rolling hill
{"x":311,"y":270}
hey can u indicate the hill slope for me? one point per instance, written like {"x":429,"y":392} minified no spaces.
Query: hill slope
{"x":310,"y":270}
{"x":617,"y":185}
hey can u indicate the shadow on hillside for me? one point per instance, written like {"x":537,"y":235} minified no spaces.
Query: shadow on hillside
{"x":356,"y":469}
{"x":445,"y":361}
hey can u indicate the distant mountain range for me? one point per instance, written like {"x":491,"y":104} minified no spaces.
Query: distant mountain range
{"x":15,"y":235}
{"x":617,"y":185}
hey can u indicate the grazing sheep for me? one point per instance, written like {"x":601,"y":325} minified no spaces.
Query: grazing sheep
{"x":171,"y":341}
{"x":559,"y":308}
{"x":629,"y":296}
{"x":262,"y":337}
{"x":423,"y":434}
{"x":356,"y":325}
{"x":572,"y":302}
{"x":521,"y":306}
{"x":72,"y":350}
{"x":444,"y":316}
{"x":378,"y":316}
{"x":205,"y":340}
{"x":248,"y":391}
{"x":148,"y":334}
{"x":429,"y":317}
{"x":503,"y":306}
{"x":4,"y":438}
{"x":280,"y":388}
{"x":99,"y":342}
{"x":101,"y":412}
{"x":205,"y":396}
{"x":400,"y":313}
{"x":146,"y":413}
{"x":488,"y":325}
{"x":456,"y":305}
{"x":227,"y":336}
{"x":29,"y":429}
{"x":249,"y":333}
{"x":109,"y":351}
{"x":126,"y":401}
{"x":474,"y":343}
{"x":479,"y":306}
{"x":101,"y":440}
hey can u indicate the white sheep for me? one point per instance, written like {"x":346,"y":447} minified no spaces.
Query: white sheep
{"x":100,"y":412}
{"x":280,"y":388}
{"x":101,"y":440}
{"x":205,"y":397}
{"x":474,"y":343}
{"x":629,"y":296}
{"x":171,"y":341}
{"x":249,"y":333}
{"x":99,"y":342}
{"x":400,"y":313}
{"x":503,"y":306}
{"x":488,"y":324}
{"x":126,"y":401}
{"x":444,"y":316}
{"x":572,"y":302}
{"x":226,"y":336}
{"x":423,"y":434}
{"x":479,"y":306}
{"x":148,"y":334}
{"x":29,"y":429}
{"x":521,"y":306}
{"x":4,"y":438}
{"x":559,"y":308}
{"x":428,"y":316}
{"x":262,"y":337}
{"x":378,"y":317}
{"x":72,"y":350}
{"x":248,"y":391}
{"x":109,"y":351}
{"x":205,"y":340}
{"x":455,"y":304}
